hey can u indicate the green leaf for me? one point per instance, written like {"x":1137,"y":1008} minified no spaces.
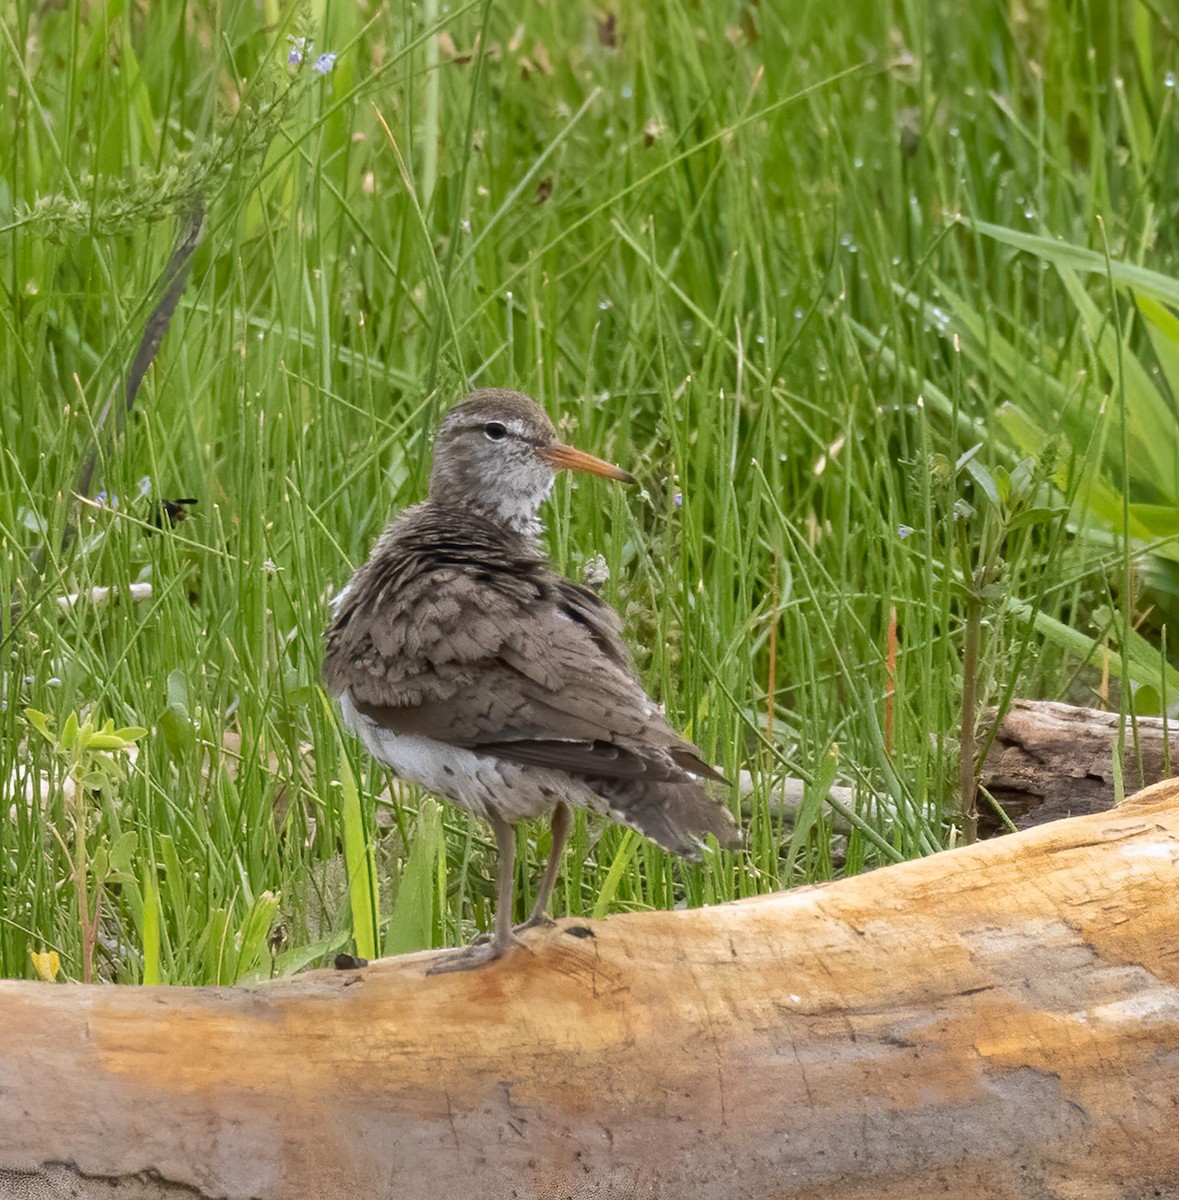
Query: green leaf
{"x":178,"y":690}
{"x":622,"y":858}
{"x":176,"y":886}
{"x":213,"y":946}
{"x":1152,"y":436}
{"x":151,"y":925}
{"x":1077,"y":258}
{"x":298,"y":957}
{"x":42,"y":723}
{"x":103,"y":741}
{"x":253,"y":936}
{"x":359,"y":859}
{"x":413,"y":922}
{"x":123,"y":851}
{"x":967,"y":455}
{"x":110,"y":738}
{"x":1151,"y":521}
{"x":986,"y":482}
{"x":175,"y":722}
{"x":814,"y":797}
{"x":1038,"y":515}
{"x":1142,"y":664}
{"x":1162,"y":326}
{"x":1023,"y":479}
{"x":360,"y":863}
{"x":1092,"y":474}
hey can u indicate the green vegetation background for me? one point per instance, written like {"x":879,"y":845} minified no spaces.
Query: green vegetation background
{"x":768,"y":256}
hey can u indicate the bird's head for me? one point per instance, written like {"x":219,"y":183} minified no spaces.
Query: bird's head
{"x":498,"y":453}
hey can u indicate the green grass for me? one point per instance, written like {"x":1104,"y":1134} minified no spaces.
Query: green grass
{"x":718,"y":241}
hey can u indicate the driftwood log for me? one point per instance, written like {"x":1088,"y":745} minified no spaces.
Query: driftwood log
{"x":1051,"y":760}
{"x":997,"y":1021}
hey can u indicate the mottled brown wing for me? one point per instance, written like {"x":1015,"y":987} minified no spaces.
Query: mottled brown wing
{"x":535,"y":675}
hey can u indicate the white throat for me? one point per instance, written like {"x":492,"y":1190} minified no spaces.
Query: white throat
{"x":518,"y":508}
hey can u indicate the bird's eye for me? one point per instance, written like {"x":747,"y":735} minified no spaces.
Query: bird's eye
{"x":495,"y":431}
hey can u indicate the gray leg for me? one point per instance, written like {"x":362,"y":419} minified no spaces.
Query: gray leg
{"x":485,"y":951}
{"x":540,"y":910}
{"x":505,"y":840}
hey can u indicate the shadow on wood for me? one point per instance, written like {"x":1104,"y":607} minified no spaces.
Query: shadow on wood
{"x":1000,"y":1021}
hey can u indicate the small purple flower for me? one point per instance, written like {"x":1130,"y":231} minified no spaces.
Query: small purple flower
{"x":678,"y":499}
{"x":904,"y":531}
{"x":300,"y":47}
{"x":324,"y":63}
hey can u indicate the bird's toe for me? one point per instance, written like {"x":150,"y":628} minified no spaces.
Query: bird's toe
{"x":481,"y":951}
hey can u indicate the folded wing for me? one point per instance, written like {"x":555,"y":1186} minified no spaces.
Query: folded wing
{"x":531,"y":671}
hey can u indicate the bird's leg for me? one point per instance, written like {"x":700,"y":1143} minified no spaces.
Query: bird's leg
{"x":505,"y":839}
{"x":480,"y":951}
{"x":540,"y":910}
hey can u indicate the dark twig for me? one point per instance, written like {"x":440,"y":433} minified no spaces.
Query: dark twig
{"x":173,"y":282}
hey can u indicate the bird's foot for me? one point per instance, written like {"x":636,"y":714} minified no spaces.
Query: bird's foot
{"x":477,"y":954}
{"x":536,"y":921}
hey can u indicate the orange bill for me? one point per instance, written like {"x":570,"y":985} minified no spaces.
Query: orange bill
{"x":566,"y":458}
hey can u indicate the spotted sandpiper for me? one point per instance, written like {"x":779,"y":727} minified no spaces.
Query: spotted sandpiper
{"x":467,"y":665}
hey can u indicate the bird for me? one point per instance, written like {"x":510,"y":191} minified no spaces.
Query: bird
{"x":467,"y":665}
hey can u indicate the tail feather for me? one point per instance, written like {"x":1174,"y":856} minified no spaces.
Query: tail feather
{"x":674,"y":815}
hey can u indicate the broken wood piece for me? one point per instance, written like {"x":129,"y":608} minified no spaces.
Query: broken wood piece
{"x":784,"y":796}
{"x":102,"y":595}
{"x":1051,"y":760}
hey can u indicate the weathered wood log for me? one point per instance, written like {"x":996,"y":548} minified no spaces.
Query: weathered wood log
{"x":1047,"y":761}
{"x":1051,"y":760}
{"x":997,"y":1021}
